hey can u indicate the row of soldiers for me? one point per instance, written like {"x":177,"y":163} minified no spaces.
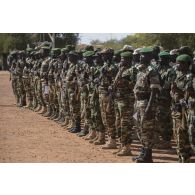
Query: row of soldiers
{"x":143,"y":92}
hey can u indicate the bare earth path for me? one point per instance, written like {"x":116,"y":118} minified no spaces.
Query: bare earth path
{"x":26,"y":136}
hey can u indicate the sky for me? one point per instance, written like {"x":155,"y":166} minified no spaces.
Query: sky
{"x":86,"y":38}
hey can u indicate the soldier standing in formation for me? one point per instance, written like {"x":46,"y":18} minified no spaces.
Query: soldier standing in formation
{"x":100,"y":94}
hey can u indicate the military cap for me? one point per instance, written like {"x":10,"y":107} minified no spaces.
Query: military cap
{"x":65,"y":50}
{"x":29,"y":49}
{"x":45,"y":47}
{"x":136,"y":51}
{"x":13,"y":52}
{"x":164,"y":54}
{"x":128,"y":48}
{"x":184,"y":58}
{"x":146,"y":50}
{"x":73,"y":53}
{"x":107,"y":50}
{"x":185,"y":50}
{"x":88,"y":53}
{"x":174,"y":52}
{"x":117,"y":52}
{"x":127,"y":54}
{"x":89,"y":48}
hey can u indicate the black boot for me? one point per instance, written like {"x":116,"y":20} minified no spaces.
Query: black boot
{"x":77,"y":129}
{"x":145,"y":156}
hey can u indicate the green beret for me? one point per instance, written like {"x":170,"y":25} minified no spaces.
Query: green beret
{"x":127,"y":54}
{"x":29,"y":49}
{"x":45,"y":47}
{"x":70,"y":47}
{"x":163,"y":54}
{"x":117,"y":52}
{"x":107,"y":50}
{"x":88,"y":53}
{"x":13,"y":52}
{"x":73,"y":53}
{"x":146,"y":50}
{"x":65,"y":50}
{"x":89,"y":48}
{"x":184,"y":58}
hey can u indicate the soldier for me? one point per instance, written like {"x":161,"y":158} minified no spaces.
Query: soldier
{"x":146,"y":89}
{"x":26,"y":79}
{"x":107,"y":74}
{"x":163,"y":114}
{"x":83,"y":79}
{"x":64,"y":92}
{"x":73,"y":95}
{"x":182,"y":92}
{"x":124,"y":101}
{"x":13,"y":77}
{"x":19,"y":72}
{"x":96,"y":120}
{"x":136,"y":57}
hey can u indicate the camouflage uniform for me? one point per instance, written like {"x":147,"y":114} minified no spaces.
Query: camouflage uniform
{"x":163,"y":113}
{"x":26,"y":82}
{"x":147,"y":79}
{"x":20,"y":86}
{"x":74,"y":102}
{"x":179,"y":116}
{"x":124,"y":101}
{"x":107,"y":73}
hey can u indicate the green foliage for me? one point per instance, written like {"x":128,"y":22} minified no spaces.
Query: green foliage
{"x":166,"y":40}
{"x":11,"y":41}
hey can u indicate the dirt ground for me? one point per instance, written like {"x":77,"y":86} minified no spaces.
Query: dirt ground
{"x":26,"y":136}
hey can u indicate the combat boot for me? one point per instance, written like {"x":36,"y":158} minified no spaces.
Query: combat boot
{"x":83,"y":132}
{"x":95,"y":138}
{"x":52,"y":113}
{"x":77,"y":128}
{"x":66,"y":122}
{"x":110,"y":144}
{"x":30,"y":106}
{"x":61,"y":120}
{"x":101,"y":139}
{"x":70,"y":125}
{"x":91,"y":135}
{"x":145,"y":156}
{"x":125,"y":151}
{"x":184,"y":158}
{"x":48,"y":111}
{"x":59,"y":117}
{"x":44,"y":110}
{"x":39,"y":107}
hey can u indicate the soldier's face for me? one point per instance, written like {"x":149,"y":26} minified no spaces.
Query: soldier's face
{"x":164,"y":61}
{"x":97,"y":60}
{"x":136,"y":57}
{"x":125,"y":61}
{"x":181,"y":66}
{"x":145,"y":58}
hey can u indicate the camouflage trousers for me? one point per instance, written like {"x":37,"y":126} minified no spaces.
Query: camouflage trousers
{"x":96,"y":119}
{"x":124,"y":118}
{"x":108,"y":117}
{"x":74,"y":104}
{"x":21,"y":95}
{"x":14,"y":86}
{"x":38,"y":92}
{"x":53,"y":99}
{"x":45,"y":92}
{"x":145,"y":126}
{"x":85,"y":109}
{"x":180,"y":133}
{"x":65,"y":103}
{"x":163,"y":120}
{"x":28,"y":89}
